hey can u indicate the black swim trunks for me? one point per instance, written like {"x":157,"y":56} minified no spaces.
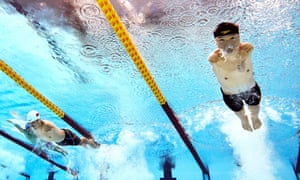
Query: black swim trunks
{"x":235,"y":101}
{"x":70,"y":138}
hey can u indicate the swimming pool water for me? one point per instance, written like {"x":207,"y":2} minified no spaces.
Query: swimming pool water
{"x":90,"y":77}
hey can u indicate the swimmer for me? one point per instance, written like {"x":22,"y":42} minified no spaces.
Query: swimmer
{"x":232,"y":65}
{"x":48,"y":132}
{"x":28,"y":133}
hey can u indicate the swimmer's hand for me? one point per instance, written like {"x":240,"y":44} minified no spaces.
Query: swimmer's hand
{"x":53,"y":146}
{"x":15,"y":115}
{"x":60,"y":150}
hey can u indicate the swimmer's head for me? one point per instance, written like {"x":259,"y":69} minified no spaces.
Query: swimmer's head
{"x":226,"y":28}
{"x":33,"y":115}
{"x":227,"y":38}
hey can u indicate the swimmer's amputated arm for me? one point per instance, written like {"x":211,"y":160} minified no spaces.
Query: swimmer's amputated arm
{"x":214,"y":56}
{"x":246,"y":49}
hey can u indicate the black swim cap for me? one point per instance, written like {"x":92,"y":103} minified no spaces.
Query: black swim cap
{"x":226,"y":28}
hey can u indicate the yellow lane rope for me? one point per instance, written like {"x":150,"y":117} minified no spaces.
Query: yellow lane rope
{"x":119,"y":28}
{"x":29,"y":88}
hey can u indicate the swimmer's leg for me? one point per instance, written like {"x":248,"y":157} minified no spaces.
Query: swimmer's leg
{"x":37,"y":148}
{"x":254,"y":110}
{"x":236,"y":104}
{"x":244,"y":119}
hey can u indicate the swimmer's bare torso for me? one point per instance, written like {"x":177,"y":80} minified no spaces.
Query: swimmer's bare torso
{"x":234,"y":70}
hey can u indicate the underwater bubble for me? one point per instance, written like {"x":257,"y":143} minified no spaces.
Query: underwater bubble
{"x":178,"y":42}
{"x":213,"y":10}
{"x":187,"y":20}
{"x":89,"y":11}
{"x":88,"y":50}
{"x":202,"y":22}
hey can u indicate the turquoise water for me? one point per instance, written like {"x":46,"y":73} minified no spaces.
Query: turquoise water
{"x":91,"y":78}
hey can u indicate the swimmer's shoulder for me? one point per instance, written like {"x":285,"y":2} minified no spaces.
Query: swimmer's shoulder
{"x":215,"y":56}
{"x":47,"y":123}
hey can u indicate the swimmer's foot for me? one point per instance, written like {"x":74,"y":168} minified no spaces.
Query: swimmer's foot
{"x":96,"y":145}
{"x":93,"y":143}
{"x":256,"y":122}
{"x":245,"y":124}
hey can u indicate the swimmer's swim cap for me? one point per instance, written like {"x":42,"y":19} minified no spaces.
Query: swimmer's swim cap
{"x":33,"y":115}
{"x":226,"y":28}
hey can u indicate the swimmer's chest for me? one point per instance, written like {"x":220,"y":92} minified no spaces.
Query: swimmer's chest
{"x":45,"y":132}
{"x":238,"y":67}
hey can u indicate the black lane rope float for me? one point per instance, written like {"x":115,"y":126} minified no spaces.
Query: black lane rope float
{"x":41,"y":154}
{"x":31,"y":90}
{"x":120,"y":30}
{"x":18,"y":79}
{"x":297,"y":166}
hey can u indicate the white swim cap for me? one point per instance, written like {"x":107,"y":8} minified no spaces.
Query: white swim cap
{"x":33,"y":115}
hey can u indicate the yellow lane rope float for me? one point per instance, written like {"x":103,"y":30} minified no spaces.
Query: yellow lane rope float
{"x":30,"y":89}
{"x":120,"y":30}
{"x":127,"y":42}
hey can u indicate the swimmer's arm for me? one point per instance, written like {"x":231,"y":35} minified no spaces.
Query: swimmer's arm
{"x":53,"y":146}
{"x":57,"y":148}
{"x":29,"y":136}
{"x":214,"y":56}
{"x":246,"y":49}
{"x":22,"y":130}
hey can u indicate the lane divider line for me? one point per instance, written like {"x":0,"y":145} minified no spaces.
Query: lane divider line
{"x":41,"y":154}
{"x":120,"y":30}
{"x":5,"y":68}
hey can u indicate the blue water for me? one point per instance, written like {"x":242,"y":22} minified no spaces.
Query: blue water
{"x":93,"y":80}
